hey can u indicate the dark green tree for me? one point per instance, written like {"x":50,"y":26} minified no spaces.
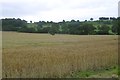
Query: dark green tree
{"x":64,"y":27}
{"x":91,"y":19}
{"x":12,"y":24}
{"x":104,"y":29}
{"x":54,"y":28}
{"x":87,"y":28}
{"x":115,"y":26}
{"x":73,"y":27}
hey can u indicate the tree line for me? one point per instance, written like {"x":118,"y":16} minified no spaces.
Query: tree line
{"x":103,"y":26}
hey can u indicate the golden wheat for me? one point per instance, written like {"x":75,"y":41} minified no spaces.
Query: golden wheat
{"x":27,"y":55}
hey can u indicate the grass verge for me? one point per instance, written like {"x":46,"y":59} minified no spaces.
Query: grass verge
{"x":104,"y":73}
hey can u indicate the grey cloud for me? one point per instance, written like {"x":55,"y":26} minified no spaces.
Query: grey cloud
{"x":32,"y":8}
{"x":22,"y":9}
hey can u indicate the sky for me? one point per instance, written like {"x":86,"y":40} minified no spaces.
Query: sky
{"x":58,"y":10}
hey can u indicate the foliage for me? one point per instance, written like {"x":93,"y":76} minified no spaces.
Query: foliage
{"x":10,"y":24}
{"x":91,"y":19}
{"x":103,"y":29}
{"x":111,"y":72}
{"x":87,"y":28}
{"x":104,"y":18}
{"x":103,"y":26}
{"x":54,"y":29}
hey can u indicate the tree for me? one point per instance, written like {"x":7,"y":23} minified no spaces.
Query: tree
{"x":103,"y":18}
{"x":118,"y":23}
{"x":27,"y":29}
{"x":104,"y":29}
{"x":91,"y":19}
{"x":116,"y":26}
{"x":52,"y":31}
{"x":73,"y":27}
{"x":85,"y":21}
{"x":63,"y":21}
{"x":30,"y":21}
{"x":54,"y":28}
{"x":12,"y":24}
{"x":112,"y":18}
{"x":87,"y":28}
{"x":45,"y":30}
{"x":64,"y":28}
{"x":115,"y":29}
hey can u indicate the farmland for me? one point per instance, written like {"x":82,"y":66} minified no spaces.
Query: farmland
{"x":34,"y":55}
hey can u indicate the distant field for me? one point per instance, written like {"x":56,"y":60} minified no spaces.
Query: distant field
{"x":29,"y":55}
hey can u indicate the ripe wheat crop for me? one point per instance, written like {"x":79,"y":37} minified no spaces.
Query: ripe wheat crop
{"x":28,"y":55}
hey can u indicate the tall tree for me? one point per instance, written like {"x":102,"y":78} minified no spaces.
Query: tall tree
{"x":104,"y":29}
{"x":87,"y":28}
{"x":91,"y":19}
{"x":54,"y":28}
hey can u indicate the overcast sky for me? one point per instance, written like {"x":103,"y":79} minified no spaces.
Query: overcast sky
{"x":58,"y":10}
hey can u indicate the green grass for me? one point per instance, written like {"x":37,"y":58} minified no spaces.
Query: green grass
{"x":107,"y":72}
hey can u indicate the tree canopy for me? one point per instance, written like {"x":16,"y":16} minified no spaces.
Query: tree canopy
{"x":103,"y":26}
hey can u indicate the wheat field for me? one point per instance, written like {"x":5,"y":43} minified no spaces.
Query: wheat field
{"x":28,"y":55}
